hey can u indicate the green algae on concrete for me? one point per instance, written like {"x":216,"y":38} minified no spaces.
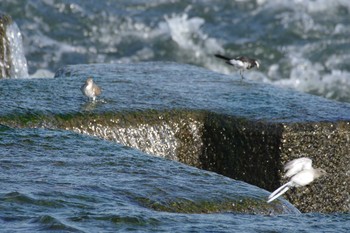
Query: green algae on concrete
{"x":243,"y":205}
{"x":242,"y":129}
{"x":109,"y":125}
{"x":255,"y":152}
{"x":217,"y":142}
{"x":242,"y":149}
{"x":327,"y":144}
{"x":175,"y":135}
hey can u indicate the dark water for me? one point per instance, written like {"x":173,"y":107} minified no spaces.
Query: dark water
{"x":58,"y":181}
{"x":304,"y":45}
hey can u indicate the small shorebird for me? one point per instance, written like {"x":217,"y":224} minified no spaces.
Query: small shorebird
{"x":90,"y":89}
{"x":301,"y":172}
{"x":241,"y":63}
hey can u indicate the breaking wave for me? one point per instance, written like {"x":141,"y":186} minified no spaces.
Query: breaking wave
{"x":300,"y":44}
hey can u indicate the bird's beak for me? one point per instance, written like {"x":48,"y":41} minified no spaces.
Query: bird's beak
{"x":257,"y":64}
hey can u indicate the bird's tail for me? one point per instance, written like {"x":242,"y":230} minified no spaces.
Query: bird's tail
{"x":278,"y":192}
{"x":222,"y":57}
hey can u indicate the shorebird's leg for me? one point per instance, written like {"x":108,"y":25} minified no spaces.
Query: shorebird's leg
{"x":241,"y":73}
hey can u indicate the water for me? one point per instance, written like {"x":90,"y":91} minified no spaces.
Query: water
{"x":19,"y":67}
{"x":55,"y":180}
{"x":300,"y":44}
{"x":59,"y":181}
{"x":13,"y":63}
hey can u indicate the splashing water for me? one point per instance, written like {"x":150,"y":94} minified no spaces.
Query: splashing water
{"x":302,"y":45}
{"x":17,"y":59}
{"x":187,"y":34}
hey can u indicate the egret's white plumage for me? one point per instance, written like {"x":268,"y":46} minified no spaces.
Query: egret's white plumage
{"x":301,"y":172}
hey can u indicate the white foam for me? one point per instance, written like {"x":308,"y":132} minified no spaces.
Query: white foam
{"x":312,"y":6}
{"x":296,"y":69}
{"x":4,"y":64}
{"x":314,"y":77}
{"x":42,"y":73}
{"x":318,"y":64}
{"x":192,"y":41}
{"x":308,"y":55}
{"x":17,"y":59}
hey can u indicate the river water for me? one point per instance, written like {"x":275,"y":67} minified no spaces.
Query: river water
{"x":60,"y":181}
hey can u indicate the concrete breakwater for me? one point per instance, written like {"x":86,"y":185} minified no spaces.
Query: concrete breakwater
{"x":250,"y":151}
{"x":240,"y":129}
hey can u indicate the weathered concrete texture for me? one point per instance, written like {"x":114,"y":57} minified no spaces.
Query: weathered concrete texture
{"x":241,"y":129}
{"x":246,"y":206}
{"x":327,"y":144}
{"x":242,"y":149}
{"x":175,"y":135}
{"x":255,"y":152}
{"x":251,"y":151}
{"x":5,"y":64}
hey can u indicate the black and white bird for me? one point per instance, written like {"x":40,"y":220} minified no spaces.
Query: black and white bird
{"x":300,"y":172}
{"x":240,"y":63}
{"x":90,"y":89}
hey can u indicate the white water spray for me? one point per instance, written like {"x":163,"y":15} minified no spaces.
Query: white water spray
{"x":19,"y":68}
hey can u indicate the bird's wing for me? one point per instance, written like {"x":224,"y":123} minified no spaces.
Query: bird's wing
{"x":236,"y":63}
{"x":222,"y":57}
{"x":303,"y":177}
{"x":278,"y":192}
{"x":257,"y":64}
{"x":97,"y":90}
{"x":293,"y":167}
